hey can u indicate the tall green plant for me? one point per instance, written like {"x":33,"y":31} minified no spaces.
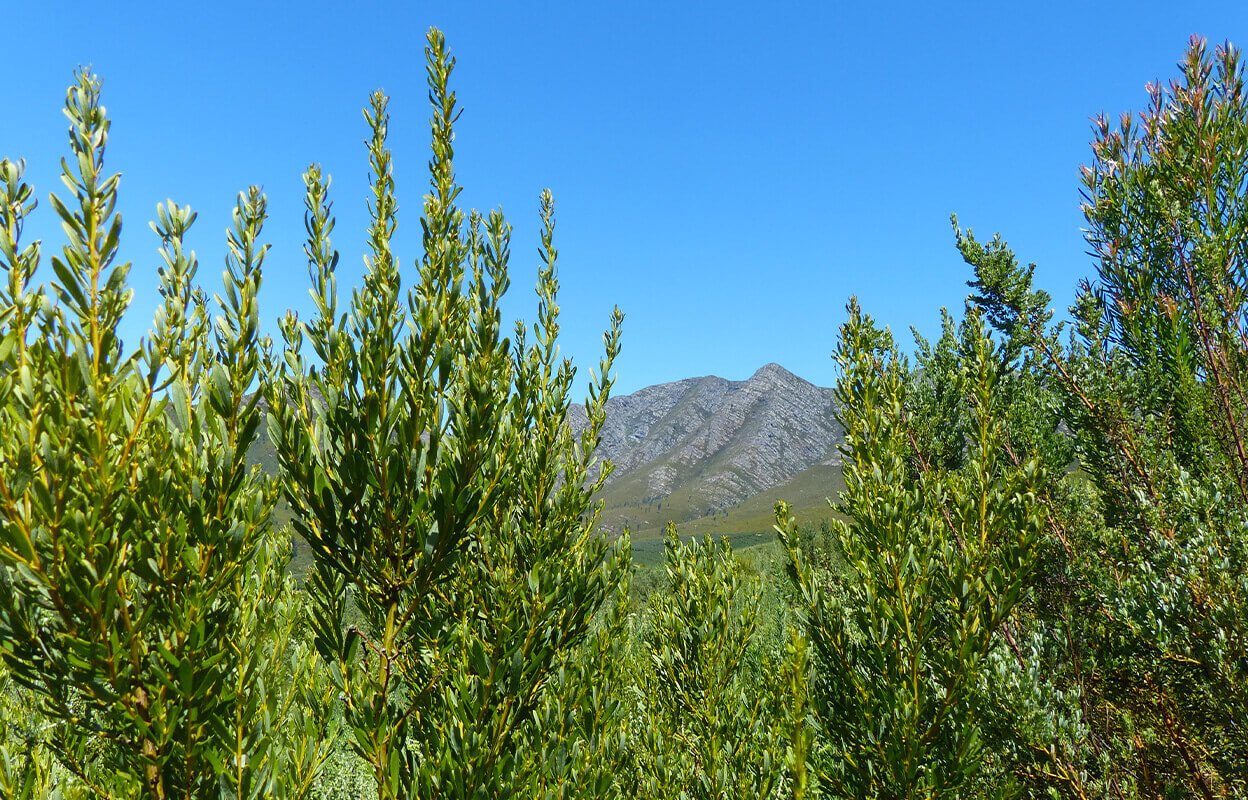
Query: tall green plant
{"x":1155,"y":614}
{"x":1126,"y":673}
{"x":938,"y":559}
{"x":128,"y":515}
{"x":428,"y":463}
{"x":704,"y":725}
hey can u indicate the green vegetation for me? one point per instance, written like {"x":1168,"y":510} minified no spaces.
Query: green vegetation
{"x":426,"y":462}
{"x":938,"y":559}
{"x":716,"y":716}
{"x":1033,"y":582}
{"x":807,"y":493}
{"x":135,"y":537}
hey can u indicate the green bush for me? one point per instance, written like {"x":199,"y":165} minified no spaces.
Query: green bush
{"x":1037,"y":586}
{"x":1048,"y":541}
{"x":708,"y":723}
{"x":937,"y":558}
{"x":428,"y":464}
{"x":139,"y":575}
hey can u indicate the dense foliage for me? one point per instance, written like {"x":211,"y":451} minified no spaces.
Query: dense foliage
{"x":134,"y":535}
{"x":427,"y":464}
{"x":1035,"y":584}
{"x":1045,"y":534}
{"x":707,"y":725}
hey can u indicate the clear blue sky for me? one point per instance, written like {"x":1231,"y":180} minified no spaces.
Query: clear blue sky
{"x":727,"y":173}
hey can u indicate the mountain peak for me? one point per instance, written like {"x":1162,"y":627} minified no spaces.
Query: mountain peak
{"x":701,"y":445}
{"x":773,"y":371}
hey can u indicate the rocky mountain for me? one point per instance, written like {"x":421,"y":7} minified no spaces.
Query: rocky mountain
{"x":702,"y":446}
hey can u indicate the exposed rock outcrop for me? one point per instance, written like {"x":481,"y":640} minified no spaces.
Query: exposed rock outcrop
{"x":712,"y":441}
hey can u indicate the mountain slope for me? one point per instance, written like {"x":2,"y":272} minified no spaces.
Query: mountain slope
{"x":697,"y":448}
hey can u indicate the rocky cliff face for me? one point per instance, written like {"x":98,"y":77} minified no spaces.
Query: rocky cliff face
{"x":709,"y":443}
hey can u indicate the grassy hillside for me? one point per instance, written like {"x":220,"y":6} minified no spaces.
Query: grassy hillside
{"x":747,"y":523}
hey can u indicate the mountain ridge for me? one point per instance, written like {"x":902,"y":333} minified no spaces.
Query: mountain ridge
{"x":700,"y":446}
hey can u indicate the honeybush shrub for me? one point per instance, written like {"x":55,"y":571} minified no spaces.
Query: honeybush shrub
{"x":715,"y":713}
{"x":137,"y":601}
{"x":1154,"y":615}
{"x":427,"y":462}
{"x":1090,"y":641}
{"x":1130,"y":681}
